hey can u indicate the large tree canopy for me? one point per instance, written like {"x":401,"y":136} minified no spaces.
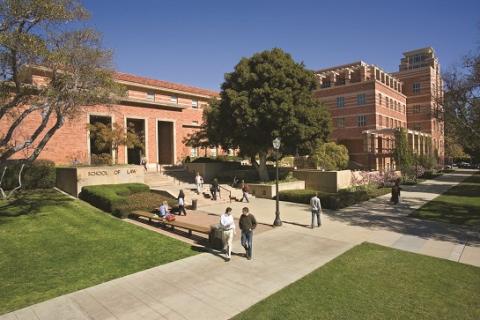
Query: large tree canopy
{"x":462,"y":107}
{"x":268,"y":95}
{"x":37,"y":34}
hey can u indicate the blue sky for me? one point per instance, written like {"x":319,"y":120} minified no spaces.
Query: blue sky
{"x":196,"y":42}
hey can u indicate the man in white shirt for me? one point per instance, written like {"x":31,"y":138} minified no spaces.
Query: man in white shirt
{"x":316,"y":207}
{"x":199,"y":182}
{"x":228,"y":226}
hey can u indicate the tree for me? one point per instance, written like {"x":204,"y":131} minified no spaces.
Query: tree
{"x":331,"y":156}
{"x":105,"y":137}
{"x":268,"y":95}
{"x":402,"y":153}
{"x":35,"y":34}
{"x":462,"y":106}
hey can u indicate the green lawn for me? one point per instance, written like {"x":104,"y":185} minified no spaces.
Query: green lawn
{"x":459,"y":205}
{"x":375,"y":282}
{"x":51,"y":245}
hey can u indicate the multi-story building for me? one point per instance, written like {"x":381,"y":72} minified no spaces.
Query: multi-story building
{"x":368,"y":105}
{"x":162,"y":113}
{"x":419,"y":71}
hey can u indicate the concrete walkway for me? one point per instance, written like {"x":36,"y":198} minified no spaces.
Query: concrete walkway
{"x":206,"y":287}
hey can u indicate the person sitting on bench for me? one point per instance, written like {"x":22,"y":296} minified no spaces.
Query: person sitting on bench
{"x":163,"y":210}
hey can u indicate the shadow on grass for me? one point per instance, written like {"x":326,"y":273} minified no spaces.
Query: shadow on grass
{"x":31,"y":202}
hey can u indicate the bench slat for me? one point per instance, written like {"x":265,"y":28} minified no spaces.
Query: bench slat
{"x":179,"y":224}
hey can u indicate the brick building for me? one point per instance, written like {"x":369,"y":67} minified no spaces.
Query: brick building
{"x":162,"y":113}
{"x":368,"y":105}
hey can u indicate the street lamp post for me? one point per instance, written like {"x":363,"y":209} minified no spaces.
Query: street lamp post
{"x":278,"y":221}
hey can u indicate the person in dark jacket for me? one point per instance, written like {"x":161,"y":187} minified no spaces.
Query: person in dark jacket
{"x":181,"y":203}
{"x":247,"y":224}
{"x":396,"y":192}
{"x":214,"y":189}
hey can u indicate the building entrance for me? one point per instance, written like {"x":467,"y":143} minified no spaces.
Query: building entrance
{"x":165,"y":142}
{"x":136,"y":126}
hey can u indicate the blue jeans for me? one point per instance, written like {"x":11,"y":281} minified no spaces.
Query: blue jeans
{"x":247,"y":242}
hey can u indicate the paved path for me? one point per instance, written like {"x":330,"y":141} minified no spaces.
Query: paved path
{"x":206,"y":287}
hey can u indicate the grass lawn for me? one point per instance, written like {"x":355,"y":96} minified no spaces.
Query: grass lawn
{"x":52,"y":245}
{"x":459,"y":205}
{"x":375,"y":282}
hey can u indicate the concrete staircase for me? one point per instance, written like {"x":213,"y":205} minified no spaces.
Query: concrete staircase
{"x":171,"y":181}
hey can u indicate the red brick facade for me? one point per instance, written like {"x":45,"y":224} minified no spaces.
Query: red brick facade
{"x":175,"y":108}
{"x":367,"y":105}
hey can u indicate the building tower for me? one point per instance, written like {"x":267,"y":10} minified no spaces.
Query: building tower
{"x":419,"y":71}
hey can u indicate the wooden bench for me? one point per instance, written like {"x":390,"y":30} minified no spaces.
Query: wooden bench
{"x":173,"y":224}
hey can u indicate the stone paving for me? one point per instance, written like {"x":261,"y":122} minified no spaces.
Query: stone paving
{"x":206,"y":287}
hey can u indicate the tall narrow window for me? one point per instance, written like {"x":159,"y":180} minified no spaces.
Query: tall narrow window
{"x":195,"y":104}
{"x":416,"y":87}
{"x":380,"y":99}
{"x":340,"y":102}
{"x":151,"y":96}
{"x":362,"y":121}
{"x":340,"y":122}
{"x":361,"y":99}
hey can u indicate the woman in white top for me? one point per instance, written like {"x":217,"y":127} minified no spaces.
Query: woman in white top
{"x":228,"y":226}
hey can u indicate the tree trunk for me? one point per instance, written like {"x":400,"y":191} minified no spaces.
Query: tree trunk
{"x":262,"y":168}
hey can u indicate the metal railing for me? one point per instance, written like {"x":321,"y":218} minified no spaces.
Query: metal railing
{"x":229,"y":192}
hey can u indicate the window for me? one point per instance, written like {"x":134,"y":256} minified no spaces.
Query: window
{"x":340,"y":122}
{"x":386,"y":102}
{"x":151,"y":96}
{"x":391,"y":103}
{"x":213,"y":152}
{"x":194,"y":152}
{"x":416,"y":109}
{"x":340,"y":102}
{"x":195,"y":104}
{"x":174,"y":99}
{"x":417,"y":127}
{"x":362,"y":121}
{"x":361,"y":99}
{"x":416,"y":87}
{"x":380,"y":120}
{"x":395,"y":105}
{"x":380,"y":99}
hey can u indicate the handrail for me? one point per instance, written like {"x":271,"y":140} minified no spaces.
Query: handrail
{"x":229,"y":193}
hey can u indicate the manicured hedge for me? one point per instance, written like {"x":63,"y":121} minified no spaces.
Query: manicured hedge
{"x":109,"y":196}
{"x":334,"y":201}
{"x":141,"y":201}
{"x":39,"y":174}
{"x":431,"y":174}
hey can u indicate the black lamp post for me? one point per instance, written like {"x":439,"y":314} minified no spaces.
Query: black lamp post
{"x":278,"y":221}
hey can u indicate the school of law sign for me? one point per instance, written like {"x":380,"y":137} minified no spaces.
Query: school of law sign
{"x":71,"y":180}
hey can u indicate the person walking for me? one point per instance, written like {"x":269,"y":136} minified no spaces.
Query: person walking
{"x":316,"y":208}
{"x":396,"y":192}
{"x":214,"y":189}
{"x":199,"y":182}
{"x":181,"y":203}
{"x":244,"y":192}
{"x":228,"y":227}
{"x":247,"y":224}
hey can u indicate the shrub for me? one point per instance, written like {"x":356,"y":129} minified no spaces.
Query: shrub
{"x":106,"y":197}
{"x":331,"y":156}
{"x":430,"y":174}
{"x":39,"y":174}
{"x":140,"y":201}
{"x":101,"y":159}
{"x":341,"y":199}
